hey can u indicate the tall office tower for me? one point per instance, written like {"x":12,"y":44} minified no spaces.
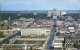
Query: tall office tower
{"x":54,"y":13}
{"x":49,"y":13}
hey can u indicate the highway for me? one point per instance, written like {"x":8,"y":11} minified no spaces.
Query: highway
{"x":48,"y":44}
{"x":16,"y":34}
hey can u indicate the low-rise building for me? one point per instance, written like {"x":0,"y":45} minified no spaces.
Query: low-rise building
{"x":58,"y":43}
{"x":8,"y":32}
{"x":12,"y":47}
{"x":35,"y":31}
{"x":71,"y":42}
{"x":71,"y":29}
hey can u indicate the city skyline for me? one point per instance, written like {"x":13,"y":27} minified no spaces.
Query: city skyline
{"x":20,"y":5}
{"x":39,"y":25}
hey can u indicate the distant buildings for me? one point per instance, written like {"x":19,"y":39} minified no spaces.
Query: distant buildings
{"x":42,"y":23}
{"x":55,"y":13}
{"x":22,"y":22}
{"x":49,"y":13}
{"x":62,"y":12}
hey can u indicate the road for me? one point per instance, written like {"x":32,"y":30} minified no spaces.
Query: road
{"x":48,"y":43}
{"x":32,"y":22}
{"x":10,"y":37}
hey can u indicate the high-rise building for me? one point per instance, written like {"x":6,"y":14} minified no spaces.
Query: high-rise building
{"x":54,"y":13}
{"x":49,"y":13}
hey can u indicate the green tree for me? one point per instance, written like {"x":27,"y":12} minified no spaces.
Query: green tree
{"x":74,"y":45}
{"x":2,"y":25}
{"x":6,"y":41}
{"x":1,"y":35}
{"x":58,"y":33}
{"x":76,"y":42}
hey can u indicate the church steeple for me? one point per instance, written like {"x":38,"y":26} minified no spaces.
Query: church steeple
{"x":9,"y":22}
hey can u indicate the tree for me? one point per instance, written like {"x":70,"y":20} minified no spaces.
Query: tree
{"x":1,"y":35}
{"x":76,"y":42}
{"x":58,"y":33}
{"x":2,"y":25}
{"x":6,"y":41}
{"x":74,"y":45}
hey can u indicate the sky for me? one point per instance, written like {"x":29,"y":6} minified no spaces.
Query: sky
{"x":21,"y":5}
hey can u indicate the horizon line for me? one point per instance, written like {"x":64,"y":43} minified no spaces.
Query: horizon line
{"x":31,"y":10}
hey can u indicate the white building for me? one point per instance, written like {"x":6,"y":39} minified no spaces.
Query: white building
{"x":16,"y":28}
{"x":62,"y":12}
{"x":49,"y":14}
{"x":57,"y":43}
{"x":55,"y":13}
{"x":35,"y":31}
{"x":71,"y":29}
